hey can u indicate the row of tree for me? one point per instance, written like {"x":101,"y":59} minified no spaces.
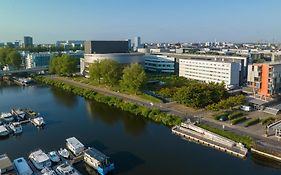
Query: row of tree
{"x":64,"y":65}
{"x":130,"y":78}
{"x":10,"y":57}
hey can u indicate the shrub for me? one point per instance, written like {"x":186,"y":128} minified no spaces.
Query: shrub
{"x":267,"y":121}
{"x":238,"y":120}
{"x":252,"y":122}
{"x":235,"y":115}
{"x":221,"y":115}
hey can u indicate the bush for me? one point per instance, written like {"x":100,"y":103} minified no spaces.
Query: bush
{"x":152,"y":114}
{"x":238,"y":120}
{"x":235,"y":115}
{"x":228,"y":103}
{"x":267,"y":121}
{"x":221,"y":115}
{"x":252,"y":122}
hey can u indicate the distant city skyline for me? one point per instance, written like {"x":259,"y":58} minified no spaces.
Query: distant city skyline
{"x":154,"y":21}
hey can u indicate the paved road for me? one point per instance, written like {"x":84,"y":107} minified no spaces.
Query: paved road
{"x":175,"y":111}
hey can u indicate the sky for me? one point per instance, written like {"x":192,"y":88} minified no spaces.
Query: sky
{"x":153,"y":20}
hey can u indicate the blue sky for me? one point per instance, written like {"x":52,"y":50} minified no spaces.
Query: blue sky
{"x":153,"y":20}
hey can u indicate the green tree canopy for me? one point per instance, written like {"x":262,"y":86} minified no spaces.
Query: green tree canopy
{"x":95,"y":71}
{"x":11,"y":57}
{"x":64,"y":64}
{"x":133,"y":78}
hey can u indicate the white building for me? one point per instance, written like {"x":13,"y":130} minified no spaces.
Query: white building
{"x":159,"y":63}
{"x":210,"y":71}
{"x":137,"y":43}
{"x":41,"y":59}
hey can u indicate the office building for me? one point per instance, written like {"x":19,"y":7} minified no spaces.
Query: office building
{"x":137,"y":43}
{"x":210,"y":71}
{"x":105,"y":47}
{"x":265,"y":79}
{"x":41,"y":59}
{"x":27,"y":42}
{"x":159,"y":63}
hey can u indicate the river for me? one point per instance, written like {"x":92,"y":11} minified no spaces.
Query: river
{"x":137,"y":146}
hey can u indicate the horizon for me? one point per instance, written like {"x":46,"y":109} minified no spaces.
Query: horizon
{"x":165,"y":22}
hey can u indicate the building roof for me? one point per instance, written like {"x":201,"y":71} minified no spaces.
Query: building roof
{"x":96,"y":154}
{"x":39,"y":156}
{"x":74,"y":142}
{"x":5,"y":162}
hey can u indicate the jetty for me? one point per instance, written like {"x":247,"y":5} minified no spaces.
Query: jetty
{"x":194,"y":133}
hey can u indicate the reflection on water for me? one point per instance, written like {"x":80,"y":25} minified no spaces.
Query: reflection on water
{"x":64,"y":97}
{"x":132,"y":124}
{"x":265,"y":161}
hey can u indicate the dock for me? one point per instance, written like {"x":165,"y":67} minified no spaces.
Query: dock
{"x":267,"y":150}
{"x":199,"y":135}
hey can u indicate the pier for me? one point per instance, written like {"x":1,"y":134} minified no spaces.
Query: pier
{"x":199,"y":135}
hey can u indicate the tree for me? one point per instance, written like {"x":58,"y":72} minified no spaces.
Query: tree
{"x":14,"y":59}
{"x":64,"y":64}
{"x":110,"y":71}
{"x":133,"y":78}
{"x":95,"y":71}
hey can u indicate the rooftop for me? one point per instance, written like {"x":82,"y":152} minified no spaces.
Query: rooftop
{"x":96,"y":154}
{"x":5,"y":161}
{"x":74,"y":142}
{"x":39,"y":156}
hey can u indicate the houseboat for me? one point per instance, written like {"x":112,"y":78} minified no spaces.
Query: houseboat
{"x":22,"y":167}
{"x":54,"y":156}
{"x":48,"y":171}
{"x":75,"y":146}
{"x":16,"y":127}
{"x":65,"y":169}
{"x":7,"y":117}
{"x":5,"y":164}
{"x":98,"y":161}
{"x":38,"y":121}
{"x":40,"y":159}
{"x":4,"y":131}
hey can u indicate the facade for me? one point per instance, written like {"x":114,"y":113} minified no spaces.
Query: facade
{"x":104,"y":47}
{"x":159,"y":63}
{"x":122,"y":58}
{"x":265,"y":79}
{"x":27,"y":41}
{"x":210,"y":71}
{"x":137,"y":43}
{"x":41,"y":59}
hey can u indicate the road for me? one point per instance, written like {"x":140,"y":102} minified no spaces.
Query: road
{"x":175,"y":111}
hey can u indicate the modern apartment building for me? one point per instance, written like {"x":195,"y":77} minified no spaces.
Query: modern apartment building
{"x":41,"y":59}
{"x":159,"y":63}
{"x":210,"y":71}
{"x":27,"y":41}
{"x":265,"y":79}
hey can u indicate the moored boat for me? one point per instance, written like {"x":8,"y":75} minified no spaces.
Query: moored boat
{"x":48,"y":171}
{"x":4,"y":131}
{"x":66,"y":169}
{"x":64,"y":153}
{"x":75,"y":146}
{"x":16,"y":127}
{"x":40,"y":159}
{"x":98,"y":161}
{"x":7,"y":117}
{"x":22,"y":166}
{"x":54,"y":156}
{"x":38,"y":121}
{"x":19,"y":113}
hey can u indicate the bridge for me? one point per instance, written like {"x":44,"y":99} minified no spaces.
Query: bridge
{"x":31,"y":70}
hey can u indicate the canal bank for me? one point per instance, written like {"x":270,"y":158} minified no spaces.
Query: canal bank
{"x":137,"y":146}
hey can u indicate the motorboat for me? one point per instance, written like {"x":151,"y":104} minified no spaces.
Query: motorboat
{"x":16,"y":127}
{"x":21,"y":114}
{"x":64,"y":153}
{"x":98,"y":161}
{"x":40,"y":159}
{"x":48,"y":171}
{"x":54,"y":156}
{"x":66,"y":169}
{"x":7,"y":117}
{"x":75,"y":146}
{"x":38,"y":121}
{"x":4,"y":131}
{"x":22,"y":166}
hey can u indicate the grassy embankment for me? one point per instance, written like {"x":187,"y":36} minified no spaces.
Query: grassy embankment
{"x":153,"y":114}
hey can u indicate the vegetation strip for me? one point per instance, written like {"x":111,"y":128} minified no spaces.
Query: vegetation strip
{"x":246,"y":140}
{"x":153,"y":114}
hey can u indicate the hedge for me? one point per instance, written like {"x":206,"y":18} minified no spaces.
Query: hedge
{"x":238,"y":120}
{"x":252,"y":122}
{"x":235,"y":115}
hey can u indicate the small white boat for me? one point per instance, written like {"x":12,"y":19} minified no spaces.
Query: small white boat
{"x":65,"y":169}
{"x":40,"y":159}
{"x":7,"y":117}
{"x":16,"y":127}
{"x":48,"y":171}
{"x":64,"y":153}
{"x":54,"y":156}
{"x":38,"y":121}
{"x":4,"y":131}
